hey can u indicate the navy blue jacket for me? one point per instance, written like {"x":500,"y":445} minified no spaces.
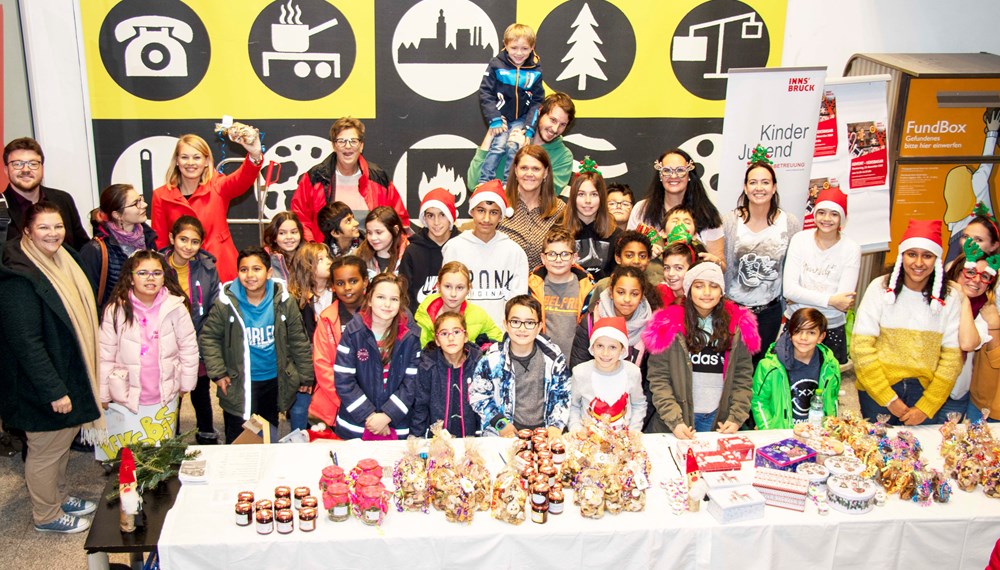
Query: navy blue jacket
{"x":203,"y":284}
{"x":512,"y":92}
{"x":434,"y":377}
{"x":357,"y":375}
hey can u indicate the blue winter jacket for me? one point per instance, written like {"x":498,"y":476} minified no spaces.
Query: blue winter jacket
{"x":492,"y":391}
{"x":357,"y":375}
{"x":433,"y":401}
{"x":512,"y":92}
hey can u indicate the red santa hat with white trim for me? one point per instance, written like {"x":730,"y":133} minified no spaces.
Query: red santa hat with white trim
{"x":614,"y":328}
{"x":442,"y":200}
{"x":921,"y":234}
{"x":491,"y":191}
{"x":833,"y":199}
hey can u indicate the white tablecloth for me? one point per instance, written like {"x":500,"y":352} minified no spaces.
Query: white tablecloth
{"x":200,"y":531}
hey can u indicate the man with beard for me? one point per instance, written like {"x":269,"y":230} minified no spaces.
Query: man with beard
{"x":24,"y":161}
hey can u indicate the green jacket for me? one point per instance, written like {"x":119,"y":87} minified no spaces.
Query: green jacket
{"x":771,"y":403}
{"x":226,"y":354}
{"x":41,"y":359}
{"x":477,"y":321}
{"x":560,"y":158}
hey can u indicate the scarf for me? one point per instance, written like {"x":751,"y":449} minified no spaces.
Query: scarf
{"x":74,"y":291}
{"x":635,"y":324}
{"x":130,"y":241}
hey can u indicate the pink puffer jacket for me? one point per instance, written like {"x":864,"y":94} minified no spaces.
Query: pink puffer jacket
{"x":120,"y":365}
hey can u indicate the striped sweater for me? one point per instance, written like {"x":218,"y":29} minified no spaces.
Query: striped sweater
{"x":905,"y":340}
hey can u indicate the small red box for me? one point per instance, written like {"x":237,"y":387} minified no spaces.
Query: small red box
{"x":717,"y":461}
{"x":738,"y":445}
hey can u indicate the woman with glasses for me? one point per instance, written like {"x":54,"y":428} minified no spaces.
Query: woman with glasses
{"x":446,"y":366}
{"x":194,"y":188}
{"x":676,"y":182}
{"x":345,"y":176}
{"x":531,"y":194}
{"x":757,"y":234}
{"x":48,"y":381}
{"x":120,"y":229}
{"x":148,"y":352}
{"x":975,"y":271}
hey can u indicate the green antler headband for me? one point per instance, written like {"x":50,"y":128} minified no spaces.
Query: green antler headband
{"x":973,"y":252}
{"x":588,"y":165}
{"x":679,"y":233}
{"x":760,"y":154}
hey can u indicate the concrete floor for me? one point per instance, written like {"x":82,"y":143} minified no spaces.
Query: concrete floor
{"x":23,"y":548}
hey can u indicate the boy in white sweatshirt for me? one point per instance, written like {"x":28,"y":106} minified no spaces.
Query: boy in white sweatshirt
{"x":498,"y":266}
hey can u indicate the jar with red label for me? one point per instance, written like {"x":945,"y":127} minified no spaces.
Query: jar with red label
{"x":307,"y":519}
{"x":244,"y":511}
{"x":331,"y":474}
{"x":282,"y":504}
{"x":283,"y":492}
{"x":285,"y":521}
{"x":337,"y":502}
{"x":265,"y":521}
{"x":297,"y":496}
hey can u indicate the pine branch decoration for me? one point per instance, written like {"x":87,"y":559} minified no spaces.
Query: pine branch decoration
{"x":154,"y":464}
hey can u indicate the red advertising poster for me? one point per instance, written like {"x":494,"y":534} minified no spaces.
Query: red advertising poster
{"x":826,"y":128}
{"x":815,"y":186}
{"x":869,"y":163}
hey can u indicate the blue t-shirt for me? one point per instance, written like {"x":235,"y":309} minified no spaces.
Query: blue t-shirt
{"x":258,"y":333}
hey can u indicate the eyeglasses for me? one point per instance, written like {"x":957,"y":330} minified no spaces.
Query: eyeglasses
{"x":667,"y":172}
{"x":985,"y":277}
{"x":19,"y":164}
{"x":622,"y":204}
{"x":347,"y":143}
{"x":561,"y":255}
{"x":518,"y":323}
{"x":451,"y":333}
{"x":144,"y":274}
{"x":135,"y":204}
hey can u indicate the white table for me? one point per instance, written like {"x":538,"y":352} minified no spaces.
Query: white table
{"x":200,"y":531}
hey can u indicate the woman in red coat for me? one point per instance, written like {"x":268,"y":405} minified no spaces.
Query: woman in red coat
{"x":194,"y":188}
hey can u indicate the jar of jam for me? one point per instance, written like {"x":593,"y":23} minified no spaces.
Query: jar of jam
{"x":537,"y":440}
{"x":264,"y":505}
{"x":283,"y":492}
{"x":525,"y":435}
{"x":244,"y":511}
{"x":558,"y":452}
{"x":550,"y":471}
{"x":309,"y":502}
{"x":265,"y":521}
{"x":245,"y":497}
{"x":337,"y":502}
{"x":544,"y":456}
{"x":539,"y":493}
{"x":282,"y":504}
{"x":556,"y":501}
{"x":285,"y":521}
{"x":307,"y":519}
{"x":521,"y":445}
{"x":540,"y":512}
{"x":526,"y":456}
{"x":367,"y":480}
{"x":370,"y":467}
{"x":541,"y":447}
{"x":331,"y":474}
{"x":371,"y":503}
{"x":541,"y":432}
{"x":298,"y":494}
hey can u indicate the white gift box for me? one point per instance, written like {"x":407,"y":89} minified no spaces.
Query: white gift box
{"x":734,"y":504}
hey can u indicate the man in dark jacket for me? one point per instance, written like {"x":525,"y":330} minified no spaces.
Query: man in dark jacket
{"x":24,"y":161}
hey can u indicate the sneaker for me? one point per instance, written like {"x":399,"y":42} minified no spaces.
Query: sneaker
{"x":78,"y":507}
{"x":207,"y":438}
{"x":66,"y":524}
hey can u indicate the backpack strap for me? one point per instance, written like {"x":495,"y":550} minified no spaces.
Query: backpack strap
{"x":102,"y":283}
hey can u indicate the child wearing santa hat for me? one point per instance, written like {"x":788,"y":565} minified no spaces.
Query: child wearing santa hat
{"x":905,"y":344}
{"x":822,"y":267}
{"x":608,"y":388}
{"x":497,"y":265}
{"x":422,"y":258}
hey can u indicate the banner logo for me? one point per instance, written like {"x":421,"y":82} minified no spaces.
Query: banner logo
{"x":442,"y":47}
{"x":439,"y":161}
{"x":574,"y":44}
{"x":157,"y":51}
{"x":713,"y":38}
{"x":302,"y":49}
